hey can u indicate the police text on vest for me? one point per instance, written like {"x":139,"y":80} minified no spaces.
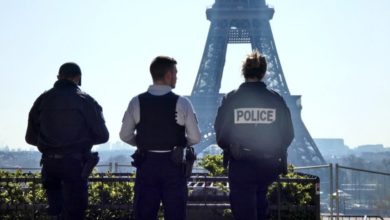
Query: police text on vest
{"x":254,"y":115}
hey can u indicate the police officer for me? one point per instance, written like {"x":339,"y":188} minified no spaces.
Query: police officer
{"x":253,"y":127}
{"x":160,"y":123}
{"x":64,"y":123}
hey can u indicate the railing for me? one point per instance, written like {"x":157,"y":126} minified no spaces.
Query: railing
{"x":369,"y":189}
{"x":353,"y":217}
{"x":344,"y":188}
{"x":22,"y":196}
{"x":341,"y":186}
{"x":328,"y":168}
{"x":128,"y":168}
{"x":205,"y":192}
{"x":110,"y":167}
{"x":22,"y":169}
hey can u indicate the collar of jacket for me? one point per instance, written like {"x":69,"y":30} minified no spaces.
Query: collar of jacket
{"x":253,"y":84}
{"x":61,"y":83}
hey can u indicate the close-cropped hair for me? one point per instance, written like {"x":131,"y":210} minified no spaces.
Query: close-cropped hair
{"x":254,"y":65}
{"x":69,"y":69}
{"x":161,"y":65}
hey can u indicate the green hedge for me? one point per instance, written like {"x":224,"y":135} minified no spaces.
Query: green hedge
{"x":26,"y":200}
{"x":297,"y":200}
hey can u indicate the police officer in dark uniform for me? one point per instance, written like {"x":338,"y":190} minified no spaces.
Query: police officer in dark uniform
{"x":254,"y":128}
{"x":64,"y":123}
{"x":161,"y":124}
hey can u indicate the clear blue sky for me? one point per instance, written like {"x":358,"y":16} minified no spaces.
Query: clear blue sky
{"x":334,"y":53}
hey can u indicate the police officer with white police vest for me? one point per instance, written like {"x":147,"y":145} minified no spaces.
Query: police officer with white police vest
{"x":64,"y":123}
{"x":254,"y":128}
{"x":161,"y":124}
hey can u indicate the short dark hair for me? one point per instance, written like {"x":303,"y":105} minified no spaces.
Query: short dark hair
{"x":69,"y":70}
{"x":160,"y":65}
{"x":254,"y":65}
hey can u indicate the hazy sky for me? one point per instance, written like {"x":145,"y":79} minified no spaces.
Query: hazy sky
{"x":334,"y":53}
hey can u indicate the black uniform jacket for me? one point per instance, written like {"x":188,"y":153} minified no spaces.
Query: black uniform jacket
{"x":65,"y":119}
{"x":255,"y":118}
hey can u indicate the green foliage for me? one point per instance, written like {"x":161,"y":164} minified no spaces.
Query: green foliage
{"x":297,"y":199}
{"x":113,"y":200}
{"x":214,"y":164}
{"x":25,"y":199}
{"x":227,"y":213}
{"x":14,"y":194}
{"x":116,"y":196}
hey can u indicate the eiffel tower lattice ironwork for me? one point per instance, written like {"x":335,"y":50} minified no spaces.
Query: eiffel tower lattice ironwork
{"x":245,"y":21}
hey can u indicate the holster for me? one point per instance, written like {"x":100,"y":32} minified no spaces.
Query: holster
{"x":138,"y":158}
{"x":283,"y":163}
{"x":177,"y":155}
{"x":225,"y":158}
{"x":91,"y":160}
{"x":190,"y":160}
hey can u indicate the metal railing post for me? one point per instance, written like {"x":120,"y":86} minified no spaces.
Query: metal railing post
{"x":116,"y":167}
{"x":279,"y":198}
{"x":34,"y":196}
{"x":331,"y":190}
{"x":337,"y":192}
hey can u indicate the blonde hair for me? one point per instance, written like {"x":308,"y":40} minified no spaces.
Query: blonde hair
{"x":254,"y":65}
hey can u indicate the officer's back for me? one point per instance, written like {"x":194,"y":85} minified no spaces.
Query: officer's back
{"x":254,"y":128}
{"x":161,"y":124}
{"x":64,"y":123}
{"x":253,"y":104}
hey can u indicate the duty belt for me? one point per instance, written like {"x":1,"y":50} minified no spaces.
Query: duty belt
{"x":262,"y":155}
{"x":54,"y":156}
{"x":159,"y":151}
{"x":154,"y":149}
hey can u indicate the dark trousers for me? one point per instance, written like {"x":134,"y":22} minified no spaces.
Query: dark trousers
{"x":158,"y":179}
{"x":66,"y":191}
{"x":248,"y":183}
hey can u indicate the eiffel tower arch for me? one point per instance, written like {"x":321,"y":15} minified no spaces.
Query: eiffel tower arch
{"x":245,"y":22}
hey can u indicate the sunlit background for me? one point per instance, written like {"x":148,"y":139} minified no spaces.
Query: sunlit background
{"x":334,"y":53}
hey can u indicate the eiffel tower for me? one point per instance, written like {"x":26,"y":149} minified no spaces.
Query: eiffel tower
{"x":245,"y":22}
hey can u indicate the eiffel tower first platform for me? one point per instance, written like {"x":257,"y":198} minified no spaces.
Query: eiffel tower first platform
{"x":245,"y":22}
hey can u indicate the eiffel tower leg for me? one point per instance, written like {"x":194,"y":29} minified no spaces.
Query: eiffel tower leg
{"x":303,"y":150}
{"x":208,"y":80}
{"x":205,"y":95}
{"x":262,"y":40}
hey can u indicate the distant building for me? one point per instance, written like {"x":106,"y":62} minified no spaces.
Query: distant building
{"x":370,"y":148}
{"x":117,"y":146}
{"x":102,"y":147}
{"x":120,"y":145}
{"x":4,"y":148}
{"x":332,"y":147}
{"x":210,"y":150}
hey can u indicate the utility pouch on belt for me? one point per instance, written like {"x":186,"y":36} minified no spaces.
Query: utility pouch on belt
{"x":226,"y":157}
{"x":138,"y":158}
{"x":235,"y":151}
{"x":283,"y":164}
{"x":91,"y":159}
{"x":177,"y":155}
{"x":190,"y":159}
{"x":239,"y":152}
